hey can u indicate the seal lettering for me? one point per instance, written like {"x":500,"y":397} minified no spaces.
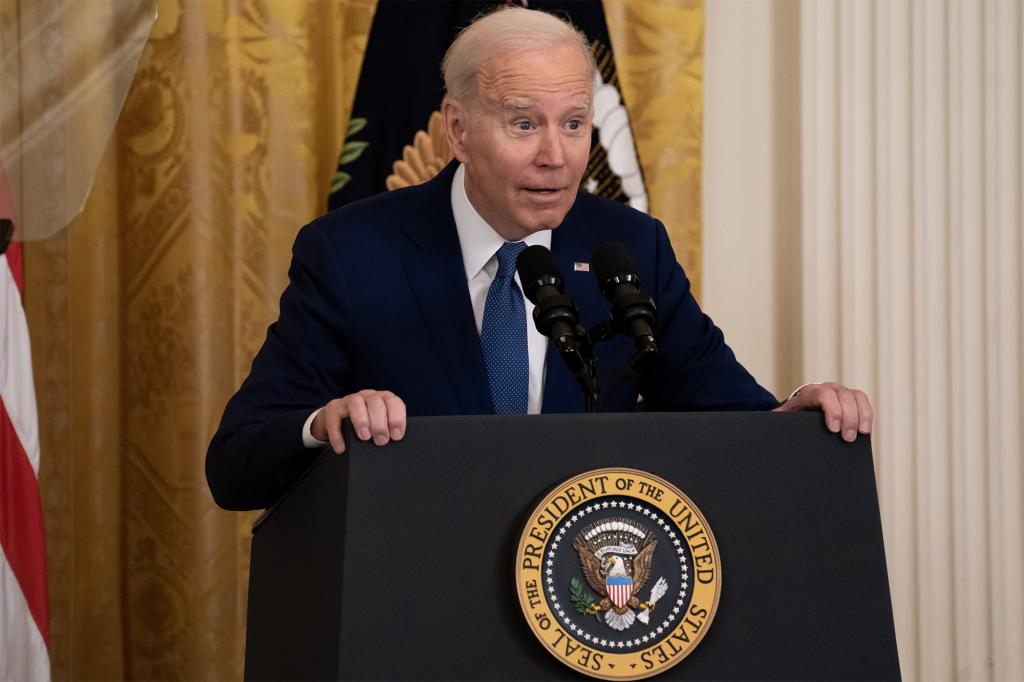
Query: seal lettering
{"x":618,"y":574}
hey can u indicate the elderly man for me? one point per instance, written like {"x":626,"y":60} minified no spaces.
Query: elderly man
{"x":406,"y":303}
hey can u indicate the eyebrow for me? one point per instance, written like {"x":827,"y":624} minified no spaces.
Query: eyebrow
{"x":517,"y":106}
{"x":527,"y":106}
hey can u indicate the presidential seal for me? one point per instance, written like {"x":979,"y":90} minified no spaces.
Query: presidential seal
{"x":618,"y":574}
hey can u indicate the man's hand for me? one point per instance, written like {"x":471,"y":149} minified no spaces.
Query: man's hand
{"x":847,"y":410}
{"x":376,"y":414}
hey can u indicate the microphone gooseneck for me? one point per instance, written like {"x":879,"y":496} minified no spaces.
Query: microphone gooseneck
{"x":633,"y":312}
{"x":556,"y":317}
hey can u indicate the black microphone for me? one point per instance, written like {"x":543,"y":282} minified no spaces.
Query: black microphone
{"x":554,"y":313}
{"x":632,"y":310}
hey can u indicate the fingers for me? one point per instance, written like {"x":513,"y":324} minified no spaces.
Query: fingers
{"x":359,"y":415}
{"x":331,"y":415}
{"x":396,"y":415}
{"x":867,"y":413}
{"x":378,"y":412}
{"x":379,"y":415}
{"x":850,"y":418}
{"x":847,"y":411}
{"x":826,"y":398}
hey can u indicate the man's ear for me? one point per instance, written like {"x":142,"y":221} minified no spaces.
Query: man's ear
{"x":455,"y":122}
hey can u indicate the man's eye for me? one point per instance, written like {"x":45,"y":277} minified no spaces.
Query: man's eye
{"x":575,"y":124}
{"x":523,"y":125}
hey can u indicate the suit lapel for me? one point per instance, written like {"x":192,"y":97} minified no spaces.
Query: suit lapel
{"x":432,"y":258}
{"x":433,"y":263}
{"x":561,"y":392}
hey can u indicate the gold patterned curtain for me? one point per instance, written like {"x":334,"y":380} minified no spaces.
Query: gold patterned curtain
{"x":145,"y":314}
{"x":659,"y":51}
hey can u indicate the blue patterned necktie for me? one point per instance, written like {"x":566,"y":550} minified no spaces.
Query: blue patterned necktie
{"x":503,"y":336}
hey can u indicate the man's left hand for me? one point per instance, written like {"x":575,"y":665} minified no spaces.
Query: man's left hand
{"x":847,"y":410}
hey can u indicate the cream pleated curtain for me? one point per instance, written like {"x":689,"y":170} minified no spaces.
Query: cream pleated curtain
{"x":912,"y":247}
{"x":870,"y":151}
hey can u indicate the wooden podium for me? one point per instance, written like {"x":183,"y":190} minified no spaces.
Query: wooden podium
{"x":397,"y":562}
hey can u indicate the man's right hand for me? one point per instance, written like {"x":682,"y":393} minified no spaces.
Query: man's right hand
{"x":374,"y":414}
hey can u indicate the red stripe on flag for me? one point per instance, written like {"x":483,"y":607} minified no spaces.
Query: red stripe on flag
{"x":620,"y":594}
{"x":14,"y":262}
{"x":21,"y":523}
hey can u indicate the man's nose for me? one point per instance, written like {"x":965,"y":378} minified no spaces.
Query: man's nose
{"x":551,"y":150}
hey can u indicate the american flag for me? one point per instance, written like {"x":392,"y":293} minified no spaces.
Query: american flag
{"x":620,"y":589}
{"x":24,"y":611}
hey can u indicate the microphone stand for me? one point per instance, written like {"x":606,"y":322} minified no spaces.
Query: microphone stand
{"x":578,"y":353}
{"x":556,"y":316}
{"x":585,"y":370}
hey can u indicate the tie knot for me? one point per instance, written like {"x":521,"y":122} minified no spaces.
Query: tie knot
{"x":507,"y":255}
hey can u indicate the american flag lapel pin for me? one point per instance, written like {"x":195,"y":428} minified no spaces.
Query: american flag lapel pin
{"x":581,"y":267}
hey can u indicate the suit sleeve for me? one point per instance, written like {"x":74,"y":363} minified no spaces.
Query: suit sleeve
{"x":257,"y":452}
{"x":695,"y":370}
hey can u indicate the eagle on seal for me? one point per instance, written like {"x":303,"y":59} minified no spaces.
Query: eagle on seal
{"x":615,"y":556}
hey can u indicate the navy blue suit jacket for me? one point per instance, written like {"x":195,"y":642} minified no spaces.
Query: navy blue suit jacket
{"x":378,"y":299}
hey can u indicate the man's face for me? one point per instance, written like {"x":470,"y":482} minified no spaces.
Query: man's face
{"x":525,"y":140}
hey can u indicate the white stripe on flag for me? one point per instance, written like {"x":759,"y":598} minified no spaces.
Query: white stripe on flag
{"x":620,"y":594}
{"x":18,"y":633}
{"x":24,"y":619}
{"x":16,"y":386}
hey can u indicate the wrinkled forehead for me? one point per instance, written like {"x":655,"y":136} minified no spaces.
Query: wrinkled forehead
{"x":521,"y":78}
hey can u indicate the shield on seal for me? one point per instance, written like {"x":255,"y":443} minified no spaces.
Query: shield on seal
{"x":620,"y":588}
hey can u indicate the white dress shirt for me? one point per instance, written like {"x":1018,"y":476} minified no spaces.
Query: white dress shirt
{"x":480,"y":243}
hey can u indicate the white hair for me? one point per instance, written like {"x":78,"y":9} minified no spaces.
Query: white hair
{"x":507,"y":29}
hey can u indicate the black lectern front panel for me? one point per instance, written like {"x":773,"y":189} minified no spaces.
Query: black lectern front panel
{"x":415,"y":544}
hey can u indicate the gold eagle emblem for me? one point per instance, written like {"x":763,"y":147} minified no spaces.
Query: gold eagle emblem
{"x":424,"y":158}
{"x":615,"y":556}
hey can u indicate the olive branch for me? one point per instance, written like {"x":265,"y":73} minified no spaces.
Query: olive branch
{"x":351,"y":151}
{"x":580,"y":596}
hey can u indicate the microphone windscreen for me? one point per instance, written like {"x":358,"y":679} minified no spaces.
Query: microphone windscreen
{"x":611,"y":259}
{"x":534,"y":264}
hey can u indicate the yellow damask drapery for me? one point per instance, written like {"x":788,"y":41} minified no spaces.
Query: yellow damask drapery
{"x":146,"y":313}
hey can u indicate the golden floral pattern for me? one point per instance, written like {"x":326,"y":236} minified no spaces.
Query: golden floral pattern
{"x":659,"y":54}
{"x":145,"y":315}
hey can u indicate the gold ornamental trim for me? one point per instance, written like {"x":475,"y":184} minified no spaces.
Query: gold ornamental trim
{"x":424,"y":158}
{"x":618,"y":574}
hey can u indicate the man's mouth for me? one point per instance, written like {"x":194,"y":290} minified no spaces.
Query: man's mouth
{"x":543,"y":191}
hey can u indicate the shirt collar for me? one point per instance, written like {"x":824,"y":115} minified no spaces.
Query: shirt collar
{"x":478,"y":240}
